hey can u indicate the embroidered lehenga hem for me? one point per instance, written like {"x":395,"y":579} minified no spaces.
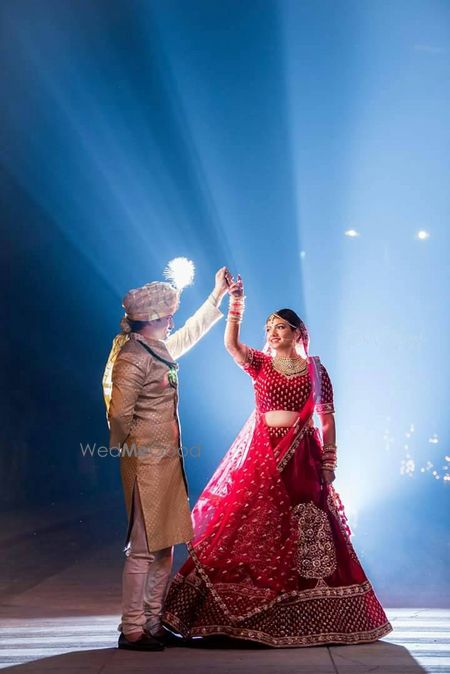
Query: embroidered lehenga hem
{"x":325,"y":615}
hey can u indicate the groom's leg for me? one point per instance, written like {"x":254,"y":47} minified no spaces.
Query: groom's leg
{"x":156,"y":588}
{"x":137,"y":564}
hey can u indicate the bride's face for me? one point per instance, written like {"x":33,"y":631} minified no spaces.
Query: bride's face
{"x":280,"y":335}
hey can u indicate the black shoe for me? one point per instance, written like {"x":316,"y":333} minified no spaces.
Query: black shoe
{"x":168,"y":638}
{"x":145,"y":643}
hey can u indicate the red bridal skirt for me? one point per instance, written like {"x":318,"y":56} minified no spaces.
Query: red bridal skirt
{"x":272,"y":559}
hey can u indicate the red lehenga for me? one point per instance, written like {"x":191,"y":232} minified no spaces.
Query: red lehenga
{"x":271,"y":560}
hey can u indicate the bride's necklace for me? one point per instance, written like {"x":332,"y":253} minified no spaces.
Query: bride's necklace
{"x":290,"y":366}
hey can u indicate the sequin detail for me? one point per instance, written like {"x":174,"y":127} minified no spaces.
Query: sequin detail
{"x":316,"y":557}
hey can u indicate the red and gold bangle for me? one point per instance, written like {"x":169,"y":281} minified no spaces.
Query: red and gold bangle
{"x":236,"y":309}
{"x":329,"y":454}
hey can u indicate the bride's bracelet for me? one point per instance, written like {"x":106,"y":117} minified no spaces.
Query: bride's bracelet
{"x":329,"y":457}
{"x":236,"y":309}
{"x":329,"y":453}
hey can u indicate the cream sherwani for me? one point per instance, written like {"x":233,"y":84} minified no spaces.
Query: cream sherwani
{"x":144,"y":415}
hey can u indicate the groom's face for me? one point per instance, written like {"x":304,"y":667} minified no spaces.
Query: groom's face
{"x":162,"y":327}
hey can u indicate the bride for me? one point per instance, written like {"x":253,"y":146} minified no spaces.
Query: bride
{"x":271,"y":560}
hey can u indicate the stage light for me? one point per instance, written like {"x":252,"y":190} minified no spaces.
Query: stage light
{"x":352,"y":233}
{"x":422,"y":234}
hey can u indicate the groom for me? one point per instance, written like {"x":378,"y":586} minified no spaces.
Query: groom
{"x":143,"y":417}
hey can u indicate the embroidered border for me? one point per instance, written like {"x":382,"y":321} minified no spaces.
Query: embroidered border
{"x":361,"y":618}
{"x":325,"y":408}
{"x":282,"y":642}
{"x":281,"y":465}
{"x":318,"y":592}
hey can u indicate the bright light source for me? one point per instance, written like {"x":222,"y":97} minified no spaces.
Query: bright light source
{"x":352,"y":233}
{"x":422,"y":235}
{"x":302,"y":254}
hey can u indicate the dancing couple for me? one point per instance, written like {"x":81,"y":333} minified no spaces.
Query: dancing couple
{"x":270,"y":557}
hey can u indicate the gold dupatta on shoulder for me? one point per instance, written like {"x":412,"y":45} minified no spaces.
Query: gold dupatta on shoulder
{"x":118,"y":342}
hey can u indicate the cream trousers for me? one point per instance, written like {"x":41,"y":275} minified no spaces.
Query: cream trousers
{"x":144,"y":581}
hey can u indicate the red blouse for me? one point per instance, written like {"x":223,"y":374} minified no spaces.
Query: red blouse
{"x":276,"y":391}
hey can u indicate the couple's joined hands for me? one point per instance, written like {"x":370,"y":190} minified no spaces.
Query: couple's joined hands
{"x":225,"y":282}
{"x":236,"y":287}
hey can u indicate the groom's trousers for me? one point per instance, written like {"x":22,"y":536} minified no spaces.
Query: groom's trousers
{"x":145,"y":579}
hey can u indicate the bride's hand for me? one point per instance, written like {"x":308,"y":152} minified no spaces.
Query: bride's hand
{"x":236,"y":288}
{"x":328,"y":476}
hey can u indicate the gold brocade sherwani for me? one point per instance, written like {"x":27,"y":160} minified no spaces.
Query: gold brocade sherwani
{"x":143,"y":415}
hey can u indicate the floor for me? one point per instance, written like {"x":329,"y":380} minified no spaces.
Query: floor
{"x":419,"y":643}
{"x":59,"y":611}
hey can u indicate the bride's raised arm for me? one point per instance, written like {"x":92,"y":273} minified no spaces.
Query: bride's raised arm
{"x":233,"y":345}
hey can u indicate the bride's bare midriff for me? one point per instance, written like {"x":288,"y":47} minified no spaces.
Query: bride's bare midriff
{"x":279,"y":418}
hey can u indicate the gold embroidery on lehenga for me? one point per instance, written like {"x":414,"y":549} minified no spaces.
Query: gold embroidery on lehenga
{"x":321,"y":615}
{"x":316,"y":557}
